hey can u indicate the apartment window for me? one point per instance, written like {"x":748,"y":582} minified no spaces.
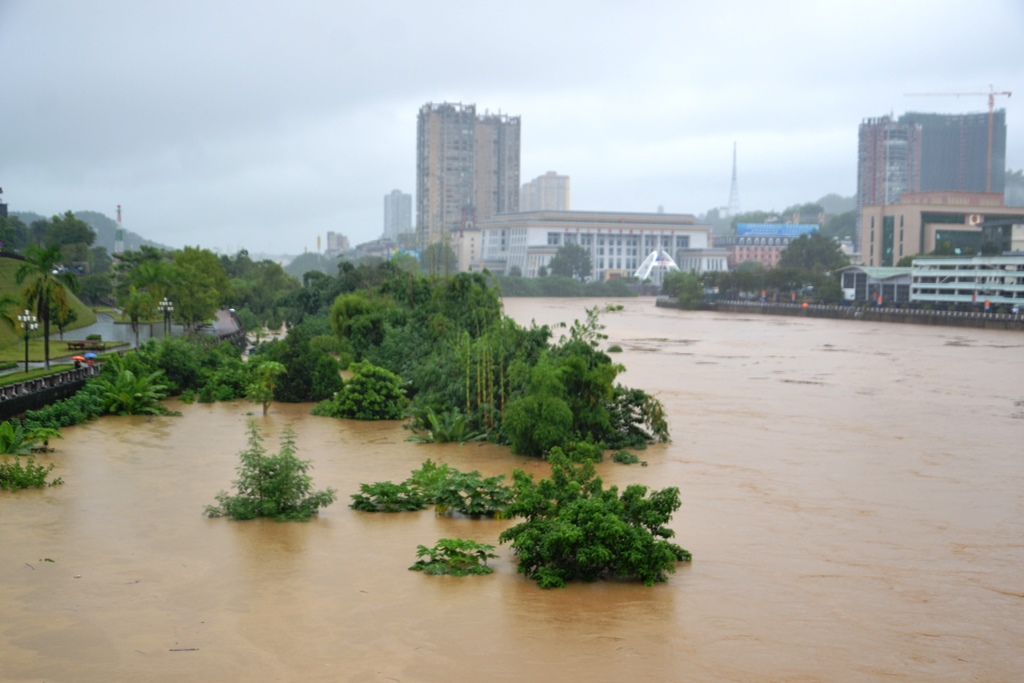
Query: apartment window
{"x":554,"y":239}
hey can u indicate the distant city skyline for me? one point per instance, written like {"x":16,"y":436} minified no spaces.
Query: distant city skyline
{"x":265,"y":129}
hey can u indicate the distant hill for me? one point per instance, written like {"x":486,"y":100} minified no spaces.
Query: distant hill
{"x":104,"y":227}
{"x":304,"y":263}
{"x":835,"y":204}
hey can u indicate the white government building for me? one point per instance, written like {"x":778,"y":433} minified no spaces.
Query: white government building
{"x":618,"y":242}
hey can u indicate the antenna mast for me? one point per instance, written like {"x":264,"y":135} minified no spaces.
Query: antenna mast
{"x":119,"y":234}
{"x":734,"y":190}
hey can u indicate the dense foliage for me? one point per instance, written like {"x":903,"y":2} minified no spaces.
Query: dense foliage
{"x":125,"y":393}
{"x":15,"y":439}
{"x":574,"y":529}
{"x":471,"y":372}
{"x":443,"y":486}
{"x":372,"y":393}
{"x":271,"y":485}
{"x":684,"y":287}
{"x":310,"y":374}
{"x":571,"y":260}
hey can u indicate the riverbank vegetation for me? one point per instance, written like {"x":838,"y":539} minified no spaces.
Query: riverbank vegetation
{"x":436,"y":350}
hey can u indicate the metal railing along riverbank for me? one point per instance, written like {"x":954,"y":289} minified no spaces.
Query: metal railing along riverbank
{"x":33,"y":394}
{"x":916,"y":316}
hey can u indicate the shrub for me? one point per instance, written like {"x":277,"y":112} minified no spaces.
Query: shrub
{"x":274,"y":485}
{"x":447,"y":488}
{"x":627,"y":458}
{"x":472,"y":494}
{"x":85,"y":405}
{"x":450,"y":426}
{"x":385,"y":496}
{"x":372,"y":393}
{"x":14,"y":475}
{"x":454,"y":557}
{"x":614,"y":348}
{"x":125,"y":393}
{"x":577,"y":530}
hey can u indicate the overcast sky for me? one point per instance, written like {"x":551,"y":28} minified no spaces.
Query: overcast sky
{"x":256,"y":124}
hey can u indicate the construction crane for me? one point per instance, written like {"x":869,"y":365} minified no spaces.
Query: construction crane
{"x":991,"y":95}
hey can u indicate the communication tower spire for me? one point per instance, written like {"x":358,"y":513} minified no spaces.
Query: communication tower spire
{"x":119,"y":234}
{"x":734,"y":190}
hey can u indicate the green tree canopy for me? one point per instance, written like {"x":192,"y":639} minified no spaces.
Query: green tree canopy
{"x":66,"y":230}
{"x":572,"y":260}
{"x":685,"y":287}
{"x":201,"y":287}
{"x":815,"y":253}
{"x":439,"y":259}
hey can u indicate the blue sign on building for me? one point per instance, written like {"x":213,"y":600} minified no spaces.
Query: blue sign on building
{"x":774,"y":229}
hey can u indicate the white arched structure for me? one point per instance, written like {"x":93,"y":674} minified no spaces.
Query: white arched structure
{"x":654,"y":267}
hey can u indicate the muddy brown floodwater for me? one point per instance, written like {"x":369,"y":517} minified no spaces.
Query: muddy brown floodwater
{"x":853,"y":494}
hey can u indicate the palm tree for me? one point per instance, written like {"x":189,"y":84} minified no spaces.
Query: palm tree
{"x":9,"y":307}
{"x":47,"y":284}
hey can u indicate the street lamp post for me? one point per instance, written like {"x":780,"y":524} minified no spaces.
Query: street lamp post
{"x":28,"y":323}
{"x":166,"y":306}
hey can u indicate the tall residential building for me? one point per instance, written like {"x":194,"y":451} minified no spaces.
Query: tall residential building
{"x":549,"y":192}
{"x":888,"y":163}
{"x":467,"y":167}
{"x":397,"y":214}
{"x":336,"y":243}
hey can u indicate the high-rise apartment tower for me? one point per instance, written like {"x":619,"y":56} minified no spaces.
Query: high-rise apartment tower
{"x":549,"y":192}
{"x":467,"y":167}
{"x":397,"y":214}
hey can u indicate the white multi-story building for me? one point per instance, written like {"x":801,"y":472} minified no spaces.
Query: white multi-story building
{"x":617,"y":242}
{"x":549,"y":192}
{"x":397,"y":214}
{"x":969,"y":280}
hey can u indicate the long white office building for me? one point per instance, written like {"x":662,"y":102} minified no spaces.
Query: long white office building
{"x":618,"y":242}
{"x":996,"y":279}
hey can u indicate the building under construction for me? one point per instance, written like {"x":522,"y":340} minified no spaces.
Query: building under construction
{"x":888,"y":163}
{"x":955,"y":151}
{"x":467,"y":167}
{"x":928,"y":153}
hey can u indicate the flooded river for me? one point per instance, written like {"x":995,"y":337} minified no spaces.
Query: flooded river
{"x":853,"y":495}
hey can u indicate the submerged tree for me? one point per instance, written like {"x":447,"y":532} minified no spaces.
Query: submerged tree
{"x":264,"y":377}
{"x":577,"y":530}
{"x":272,"y":485}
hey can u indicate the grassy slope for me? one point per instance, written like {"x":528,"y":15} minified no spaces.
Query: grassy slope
{"x":12,"y":338}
